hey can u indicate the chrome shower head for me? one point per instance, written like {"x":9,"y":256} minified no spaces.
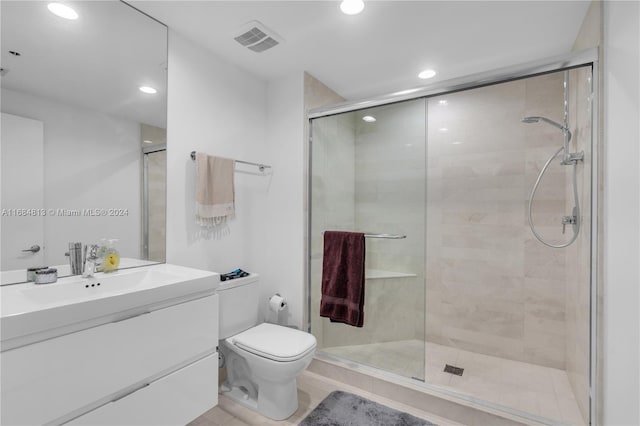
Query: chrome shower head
{"x":545,"y":119}
{"x":536,"y":119}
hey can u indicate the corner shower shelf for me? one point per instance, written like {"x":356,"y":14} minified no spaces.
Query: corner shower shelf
{"x":379,"y":274}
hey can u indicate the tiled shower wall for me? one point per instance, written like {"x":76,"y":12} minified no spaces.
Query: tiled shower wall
{"x":491,"y":287}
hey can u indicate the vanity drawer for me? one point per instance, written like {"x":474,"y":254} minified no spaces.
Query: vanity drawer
{"x":175,"y":399}
{"x":46,"y":381}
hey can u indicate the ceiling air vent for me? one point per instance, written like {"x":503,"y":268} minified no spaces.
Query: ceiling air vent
{"x":255,"y":36}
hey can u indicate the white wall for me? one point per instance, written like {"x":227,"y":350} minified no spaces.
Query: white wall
{"x":219,"y":109}
{"x":281,"y":257}
{"x":91,"y":160}
{"x":621,"y":321}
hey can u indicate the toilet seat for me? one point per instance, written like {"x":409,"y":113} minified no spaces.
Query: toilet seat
{"x":275,"y":342}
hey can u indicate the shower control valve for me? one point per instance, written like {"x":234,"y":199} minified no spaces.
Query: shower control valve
{"x":568,"y":220}
{"x":572,"y":158}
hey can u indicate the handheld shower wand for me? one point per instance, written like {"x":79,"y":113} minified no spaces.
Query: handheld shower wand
{"x":567,"y":159}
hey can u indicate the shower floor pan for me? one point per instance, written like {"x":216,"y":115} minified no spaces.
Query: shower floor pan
{"x":541,"y":391}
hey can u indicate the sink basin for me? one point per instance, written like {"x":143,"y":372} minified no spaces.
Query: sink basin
{"x":102,"y":285}
{"x":32,"y":312}
{"x":20,"y":275}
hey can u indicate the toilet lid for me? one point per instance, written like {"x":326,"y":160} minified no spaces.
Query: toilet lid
{"x":275,"y":342}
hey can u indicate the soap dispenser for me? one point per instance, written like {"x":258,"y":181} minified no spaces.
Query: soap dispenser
{"x":111,"y":257}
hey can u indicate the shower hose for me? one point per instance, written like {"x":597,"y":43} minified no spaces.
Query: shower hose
{"x":576,"y":208}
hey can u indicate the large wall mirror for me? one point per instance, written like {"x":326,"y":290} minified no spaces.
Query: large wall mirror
{"x":83,"y":144}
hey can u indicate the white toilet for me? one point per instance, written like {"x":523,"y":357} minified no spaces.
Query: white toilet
{"x":262,"y":360}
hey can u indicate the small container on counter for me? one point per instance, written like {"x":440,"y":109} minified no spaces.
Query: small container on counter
{"x":31,"y":272}
{"x":46,"y":276}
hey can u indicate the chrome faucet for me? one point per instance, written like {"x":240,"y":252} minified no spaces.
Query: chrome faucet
{"x":90,"y":261}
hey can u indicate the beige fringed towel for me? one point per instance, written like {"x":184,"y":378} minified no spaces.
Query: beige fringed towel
{"x":215,"y":194}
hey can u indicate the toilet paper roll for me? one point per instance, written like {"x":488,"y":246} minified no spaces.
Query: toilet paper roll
{"x":276,"y":303}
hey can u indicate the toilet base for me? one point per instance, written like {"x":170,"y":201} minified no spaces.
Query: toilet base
{"x":242,"y":398}
{"x":278,"y":401}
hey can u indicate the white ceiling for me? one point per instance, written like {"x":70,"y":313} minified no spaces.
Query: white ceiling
{"x":382,"y":49}
{"x":96,"y":62}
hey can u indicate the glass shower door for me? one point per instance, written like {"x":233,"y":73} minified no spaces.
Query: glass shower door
{"x":470,"y":301}
{"x":368,"y":175}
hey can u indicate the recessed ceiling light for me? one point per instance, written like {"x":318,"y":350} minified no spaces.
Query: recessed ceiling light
{"x":351,"y":7}
{"x":456,"y":143}
{"x":369,"y":118}
{"x":443,"y":102}
{"x":147,"y":89}
{"x":62,"y":11}
{"x":426,"y":74}
{"x":443,"y":129}
{"x":147,"y":141}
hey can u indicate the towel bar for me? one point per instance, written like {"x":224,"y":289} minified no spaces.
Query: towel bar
{"x":259,"y":165}
{"x":387,"y":236}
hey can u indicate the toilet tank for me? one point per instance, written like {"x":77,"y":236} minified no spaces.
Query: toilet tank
{"x":239,"y":308}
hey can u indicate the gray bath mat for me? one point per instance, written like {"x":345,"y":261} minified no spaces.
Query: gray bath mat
{"x":346,"y":409}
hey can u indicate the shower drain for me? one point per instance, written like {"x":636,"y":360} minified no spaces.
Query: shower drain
{"x":453,"y":370}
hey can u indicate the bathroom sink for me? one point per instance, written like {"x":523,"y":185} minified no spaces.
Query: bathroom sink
{"x":102,"y":285}
{"x":34,"y":312}
{"x":16,"y":276}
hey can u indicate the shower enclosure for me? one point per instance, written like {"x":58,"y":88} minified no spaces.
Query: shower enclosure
{"x":464,"y":286}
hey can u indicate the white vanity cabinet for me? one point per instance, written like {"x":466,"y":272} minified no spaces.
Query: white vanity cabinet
{"x":158,"y":367}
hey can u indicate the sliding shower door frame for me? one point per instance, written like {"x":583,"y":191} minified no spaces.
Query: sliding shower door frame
{"x":145,"y":194}
{"x":587,"y":57}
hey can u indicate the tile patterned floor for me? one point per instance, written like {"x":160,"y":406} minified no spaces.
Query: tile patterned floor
{"x":312,"y":389}
{"x":534,"y":389}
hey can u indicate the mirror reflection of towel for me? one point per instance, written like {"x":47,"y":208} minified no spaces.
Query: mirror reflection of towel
{"x":215,"y":193}
{"x":343,"y":277}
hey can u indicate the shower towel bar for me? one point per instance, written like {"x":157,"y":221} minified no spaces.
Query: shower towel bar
{"x":259,"y":165}
{"x":387,"y":236}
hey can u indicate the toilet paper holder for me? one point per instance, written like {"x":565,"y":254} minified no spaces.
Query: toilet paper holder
{"x":277,"y":303}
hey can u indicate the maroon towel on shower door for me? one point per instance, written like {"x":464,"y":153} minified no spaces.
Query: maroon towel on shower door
{"x":343,"y":277}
